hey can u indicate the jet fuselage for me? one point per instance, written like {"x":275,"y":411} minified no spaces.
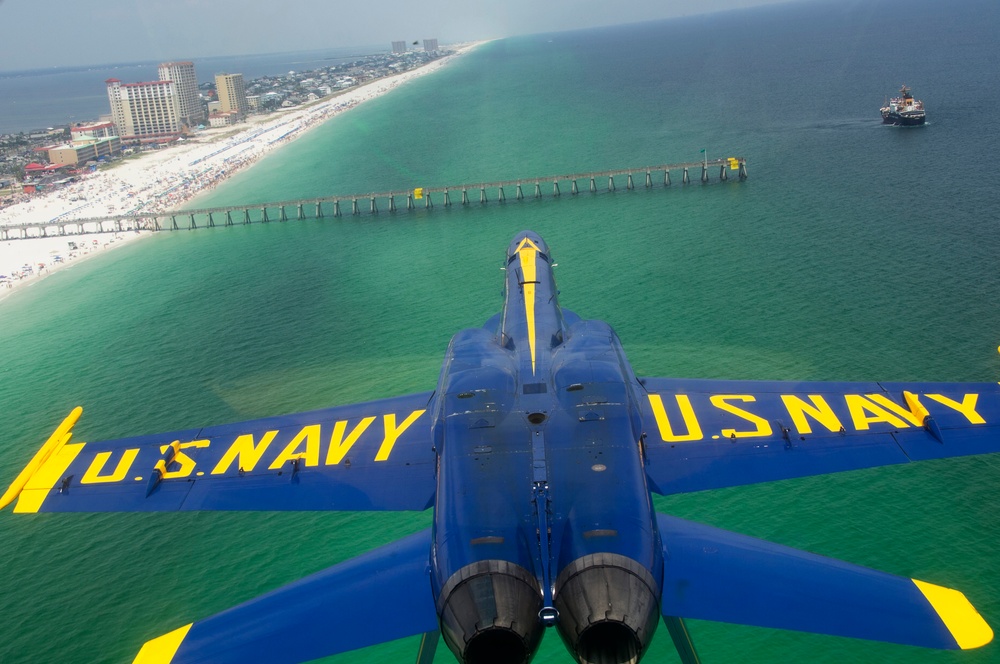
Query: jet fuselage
{"x":543,"y":514}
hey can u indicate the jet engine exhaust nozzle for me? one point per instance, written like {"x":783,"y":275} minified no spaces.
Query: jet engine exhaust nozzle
{"x":609,"y":607}
{"x":489,"y":613}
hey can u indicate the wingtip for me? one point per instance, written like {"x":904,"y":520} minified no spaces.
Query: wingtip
{"x":59,"y":438}
{"x":162,"y":649}
{"x":967,"y":627}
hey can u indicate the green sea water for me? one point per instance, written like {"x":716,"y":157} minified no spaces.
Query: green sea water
{"x":854,"y":251}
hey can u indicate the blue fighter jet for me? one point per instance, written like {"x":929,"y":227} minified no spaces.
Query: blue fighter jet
{"x":538,"y":452}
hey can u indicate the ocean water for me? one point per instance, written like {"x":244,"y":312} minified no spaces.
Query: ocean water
{"x":854,"y":251}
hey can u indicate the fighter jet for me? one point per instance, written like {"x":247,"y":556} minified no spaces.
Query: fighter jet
{"x":539,"y":452}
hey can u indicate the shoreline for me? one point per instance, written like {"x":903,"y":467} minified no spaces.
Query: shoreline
{"x":168,"y":179}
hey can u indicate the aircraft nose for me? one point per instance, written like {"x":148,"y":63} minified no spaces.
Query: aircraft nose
{"x":526,"y":239}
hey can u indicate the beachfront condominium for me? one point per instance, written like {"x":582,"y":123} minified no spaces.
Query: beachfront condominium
{"x":144,"y":110}
{"x":399,"y":47}
{"x":186,"y":84}
{"x":232,"y":94}
{"x":430,"y":45}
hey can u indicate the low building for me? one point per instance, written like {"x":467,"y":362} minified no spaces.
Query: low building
{"x":223,"y":119}
{"x":87,"y":133}
{"x":81,"y":153}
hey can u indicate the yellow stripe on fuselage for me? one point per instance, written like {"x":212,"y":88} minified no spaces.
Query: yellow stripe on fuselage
{"x":527,"y":252}
{"x":162,"y":649}
{"x":956,"y":612}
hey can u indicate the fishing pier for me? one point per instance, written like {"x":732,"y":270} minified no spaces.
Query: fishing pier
{"x":374,"y":203}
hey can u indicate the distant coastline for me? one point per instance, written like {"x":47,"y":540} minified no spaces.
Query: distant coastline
{"x":171,"y":177}
{"x":36,"y":98}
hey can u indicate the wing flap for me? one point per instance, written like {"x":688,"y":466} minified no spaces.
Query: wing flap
{"x":713,"y":574}
{"x":706,"y":434}
{"x":379,"y":596}
{"x":377,"y":455}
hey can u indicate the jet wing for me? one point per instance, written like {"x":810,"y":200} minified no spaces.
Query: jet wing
{"x":377,"y":455}
{"x":714,"y":574}
{"x":707,"y":434}
{"x":379,"y":596}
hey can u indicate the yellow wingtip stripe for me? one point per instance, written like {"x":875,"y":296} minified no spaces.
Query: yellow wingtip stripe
{"x":957,"y":613}
{"x":58,"y":438}
{"x":39,"y":486}
{"x":162,"y":649}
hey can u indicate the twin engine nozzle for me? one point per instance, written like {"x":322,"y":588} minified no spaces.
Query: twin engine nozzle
{"x":608,"y":605}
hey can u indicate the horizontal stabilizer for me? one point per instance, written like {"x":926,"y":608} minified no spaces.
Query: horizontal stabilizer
{"x":713,"y":574}
{"x":377,"y":597}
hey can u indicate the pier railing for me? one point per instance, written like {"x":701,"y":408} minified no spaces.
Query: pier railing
{"x":374,"y":203}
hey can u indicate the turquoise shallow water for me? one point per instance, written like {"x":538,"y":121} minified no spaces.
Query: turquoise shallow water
{"x":854,"y":251}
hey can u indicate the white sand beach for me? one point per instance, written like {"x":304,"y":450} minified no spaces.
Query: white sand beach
{"x":164,"y":180}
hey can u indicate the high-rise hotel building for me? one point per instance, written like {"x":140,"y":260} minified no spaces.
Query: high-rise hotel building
{"x":232,"y":94}
{"x":144,"y":110}
{"x":186,"y":87}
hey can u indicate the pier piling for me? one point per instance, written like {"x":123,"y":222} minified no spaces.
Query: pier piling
{"x":65,"y":227}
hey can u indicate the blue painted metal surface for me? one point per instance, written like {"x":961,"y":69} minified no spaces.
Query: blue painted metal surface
{"x":539,"y":451}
